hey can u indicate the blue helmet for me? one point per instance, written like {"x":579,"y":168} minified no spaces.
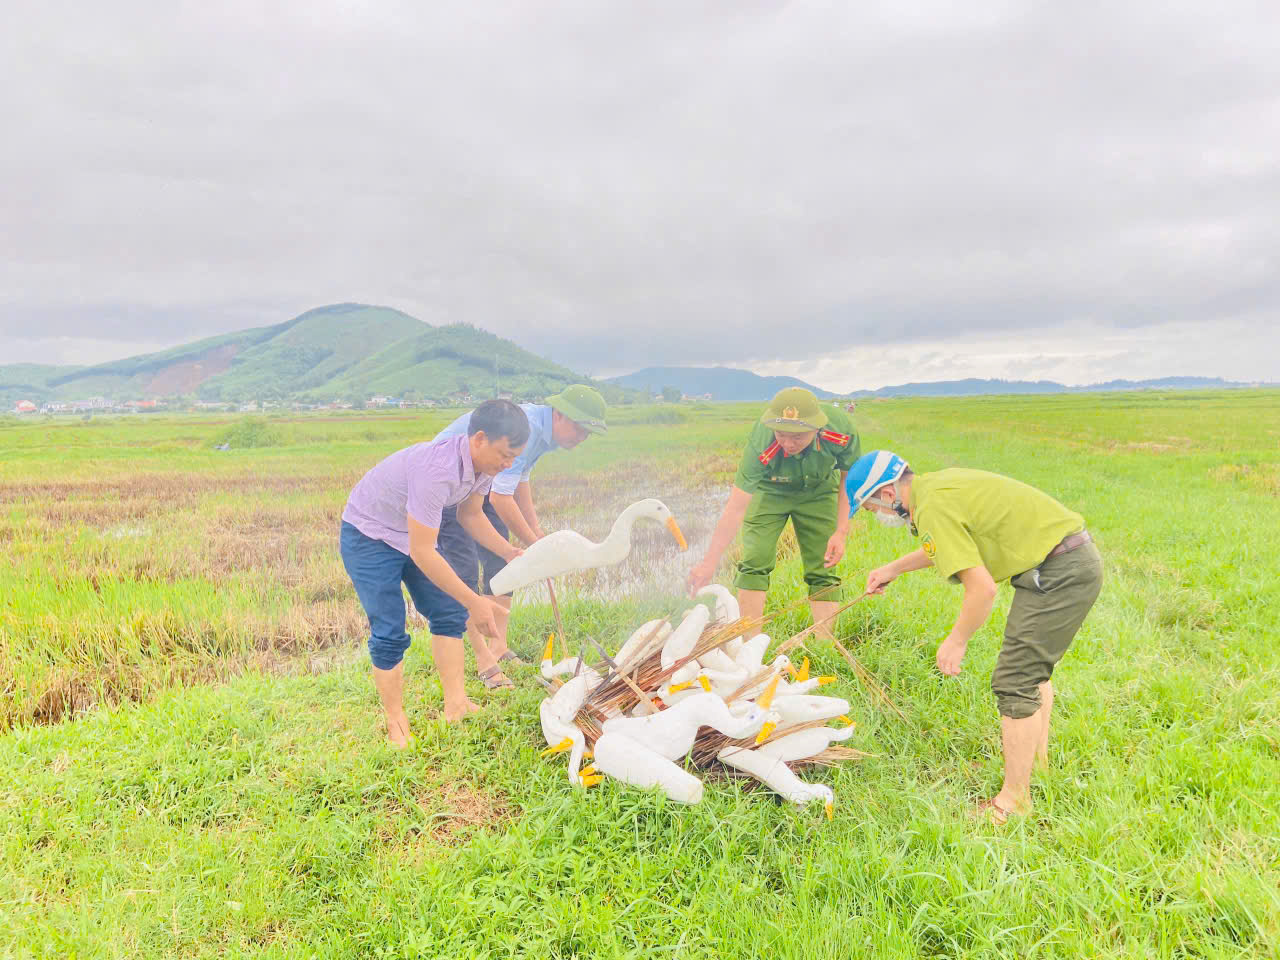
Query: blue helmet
{"x":869,"y":473}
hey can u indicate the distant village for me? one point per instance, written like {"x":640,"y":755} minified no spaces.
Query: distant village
{"x":101,"y":405}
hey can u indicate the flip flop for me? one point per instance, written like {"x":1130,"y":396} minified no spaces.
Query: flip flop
{"x":491,"y":682}
{"x":991,"y":811}
{"x":514,"y":658}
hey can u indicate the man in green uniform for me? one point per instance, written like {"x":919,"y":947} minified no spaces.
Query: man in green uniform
{"x":793,"y":469}
{"x":977,"y":529}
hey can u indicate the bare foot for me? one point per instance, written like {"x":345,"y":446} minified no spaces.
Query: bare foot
{"x":398,"y":730}
{"x":454,"y":713}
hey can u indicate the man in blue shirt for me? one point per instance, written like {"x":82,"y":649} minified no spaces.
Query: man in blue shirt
{"x":563,"y":422}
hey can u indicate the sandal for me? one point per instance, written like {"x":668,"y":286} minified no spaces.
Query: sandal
{"x":514,"y":657}
{"x":993,"y":813}
{"x":491,"y":680}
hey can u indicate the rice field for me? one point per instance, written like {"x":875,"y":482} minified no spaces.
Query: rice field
{"x":193,"y":764}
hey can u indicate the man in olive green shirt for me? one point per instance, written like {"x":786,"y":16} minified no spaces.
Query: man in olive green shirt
{"x":978,"y":529}
{"x":793,"y":468}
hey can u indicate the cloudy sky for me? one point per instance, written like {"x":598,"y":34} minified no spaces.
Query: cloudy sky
{"x":856,"y":193}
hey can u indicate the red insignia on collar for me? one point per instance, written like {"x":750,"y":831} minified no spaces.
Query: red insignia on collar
{"x":839,"y":439}
{"x":771,"y":452}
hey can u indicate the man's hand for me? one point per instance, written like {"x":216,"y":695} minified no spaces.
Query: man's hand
{"x":538,"y":534}
{"x":482,"y":611}
{"x":701,"y":575}
{"x":835,"y":548}
{"x":880,"y":577}
{"x":513,"y":553}
{"x":950,"y":652}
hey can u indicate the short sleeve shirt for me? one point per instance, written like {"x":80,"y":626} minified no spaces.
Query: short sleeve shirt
{"x":765,"y":469}
{"x":540,"y":441}
{"x":419,"y":482}
{"x":971,"y":518}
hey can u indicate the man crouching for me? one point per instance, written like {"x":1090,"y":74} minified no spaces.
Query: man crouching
{"x":388,"y":538}
{"x":977,"y":529}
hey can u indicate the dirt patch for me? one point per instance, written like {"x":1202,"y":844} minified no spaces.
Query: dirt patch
{"x":174,"y":489}
{"x":179,"y":378}
{"x":444,"y":816}
{"x":1260,"y":477}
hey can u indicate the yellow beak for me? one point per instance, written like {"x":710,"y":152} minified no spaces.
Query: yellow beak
{"x":704,"y":683}
{"x":765,"y":700}
{"x":828,"y":809}
{"x":823,"y":681}
{"x":681,"y":686}
{"x":845,"y":721}
{"x":592,"y":780}
{"x":803,"y":674}
{"x":675,"y":532}
{"x":767,"y":729}
{"x":561,"y":747}
{"x":550,"y":649}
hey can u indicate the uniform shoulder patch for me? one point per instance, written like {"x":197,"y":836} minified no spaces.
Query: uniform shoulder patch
{"x":930,"y":548}
{"x":839,"y":439}
{"x":770,"y":452}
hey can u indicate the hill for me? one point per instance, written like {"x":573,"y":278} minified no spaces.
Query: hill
{"x":725,"y":384}
{"x":975,"y":387}
{"x":343,"y":351}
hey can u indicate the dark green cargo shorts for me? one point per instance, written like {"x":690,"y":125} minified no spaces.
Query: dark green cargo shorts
{"x":813,"y":518}
{"x":1050,"y":603}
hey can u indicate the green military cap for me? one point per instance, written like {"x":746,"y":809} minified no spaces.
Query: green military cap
{"x":583,"y":405}
{"x":794,"y":410}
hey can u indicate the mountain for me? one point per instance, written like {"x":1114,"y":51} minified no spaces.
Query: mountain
{"x":343,"y":351}
{"x":975,"y":387}
{"x":725,"y":384}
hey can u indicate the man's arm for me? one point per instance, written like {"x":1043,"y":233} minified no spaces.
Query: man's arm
{"x":836,"y":544}
{"x":979,"y":597}
{"x":514,"y":514}
{"x":524,"y":500}
{"x":879,"y":578}
{"x":423,"y":552}
{"x":726,"y":529}
{"x":472,"y":519}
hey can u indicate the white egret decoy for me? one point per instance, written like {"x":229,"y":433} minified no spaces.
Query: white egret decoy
{"x":567,"y":667}
{"x":806,"y":709}
{"x":632,"y":649}
{"x":726,"y":603}
{"x":751,"y":654}
{"x":567,"y":550}
{"x":641,"y":750}
{"x":777,"y":776}
{"x":803,"y":744}
{"x":684,"y":637}
{"x":557,"y":714}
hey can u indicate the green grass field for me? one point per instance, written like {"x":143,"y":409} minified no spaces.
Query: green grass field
{"x":193,"y":764}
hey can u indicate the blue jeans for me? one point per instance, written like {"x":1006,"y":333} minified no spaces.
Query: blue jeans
{"x":475,"y":565}
{"x":377,"y":570}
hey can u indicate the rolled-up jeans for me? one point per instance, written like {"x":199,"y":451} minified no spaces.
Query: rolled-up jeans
{"x":377,"y":570}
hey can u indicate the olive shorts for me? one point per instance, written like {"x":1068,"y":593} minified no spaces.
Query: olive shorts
{"x":1050,"y":603}
{"x":813,"y":518}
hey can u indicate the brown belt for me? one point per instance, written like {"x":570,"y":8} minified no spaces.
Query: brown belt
{"x":1070,"y":543}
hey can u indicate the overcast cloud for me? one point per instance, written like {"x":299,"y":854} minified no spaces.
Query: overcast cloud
{"x":856,"y":193}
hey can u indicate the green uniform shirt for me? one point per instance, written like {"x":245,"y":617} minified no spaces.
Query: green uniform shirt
{"x":814,"y":468}
{"x":971,"y":518}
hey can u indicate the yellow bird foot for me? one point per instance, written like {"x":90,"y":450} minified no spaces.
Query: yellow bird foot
{"x":592,"y":780}
{"x":829,"y":811}
{"x":767,"y":729}
{"x":824,"y":680}
{"x":803,"y":673}
{"x":705,"y":684}
{"x":845,"y":721}
{"x":560,"y":747}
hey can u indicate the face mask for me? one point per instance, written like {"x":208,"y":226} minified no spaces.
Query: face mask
{"x":891,"y":519}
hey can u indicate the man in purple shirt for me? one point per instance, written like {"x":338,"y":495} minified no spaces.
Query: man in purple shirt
{"x":389,"y":530}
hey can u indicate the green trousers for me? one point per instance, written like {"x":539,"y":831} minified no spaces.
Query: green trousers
{"x":1050,"y":603}
{"x":813,"y":517}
